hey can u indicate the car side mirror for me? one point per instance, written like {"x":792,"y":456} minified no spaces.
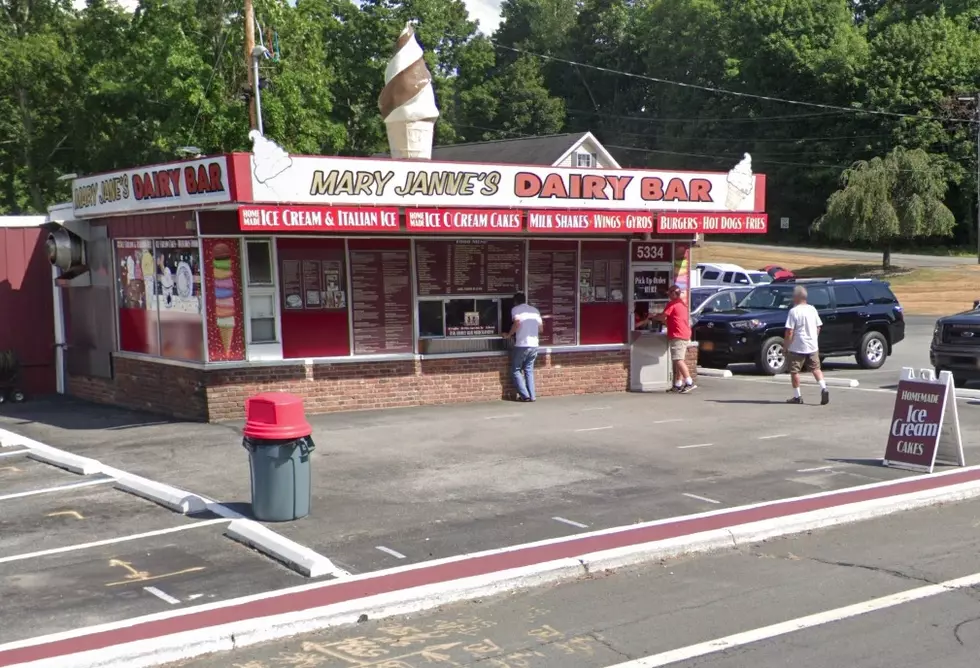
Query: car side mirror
{"x":976,"y":304}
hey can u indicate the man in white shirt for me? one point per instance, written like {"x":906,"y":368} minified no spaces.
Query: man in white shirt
{"x":802,"y":332}
{"x":525,"y":329}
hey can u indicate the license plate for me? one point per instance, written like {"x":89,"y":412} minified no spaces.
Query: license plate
{"x":707,"y":345}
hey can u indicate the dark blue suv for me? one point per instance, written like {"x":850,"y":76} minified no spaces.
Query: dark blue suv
{"x":861,"y":317}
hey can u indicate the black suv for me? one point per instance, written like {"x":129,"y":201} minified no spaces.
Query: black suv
{"x":956,"y":346}
{"x":861,"y":317}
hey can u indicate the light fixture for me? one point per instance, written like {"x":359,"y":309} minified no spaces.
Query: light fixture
{"x":192,"y":151}
{"x":68,"y":177}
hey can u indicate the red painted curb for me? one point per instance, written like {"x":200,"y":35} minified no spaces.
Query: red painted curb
{"x":482,"y":565}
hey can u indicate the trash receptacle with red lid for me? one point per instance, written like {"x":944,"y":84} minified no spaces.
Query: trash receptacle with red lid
{"x":278,"y":439}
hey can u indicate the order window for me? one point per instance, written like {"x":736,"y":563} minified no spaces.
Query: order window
{"x":464,"y":317}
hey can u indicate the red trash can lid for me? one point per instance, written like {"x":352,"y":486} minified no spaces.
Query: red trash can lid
{"x":275,"y":416}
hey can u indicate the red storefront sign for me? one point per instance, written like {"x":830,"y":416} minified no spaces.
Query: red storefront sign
{"x":652,"y":251}
{"x":301,"y":219}
{"x":463,"y":220}
{"x":712,"y":223}
{"x":916,"y":424}
{"x":589,"y":222}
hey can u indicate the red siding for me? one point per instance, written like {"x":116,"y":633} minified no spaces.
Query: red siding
{"x":152,"y":225}
{"x":26,"y":310}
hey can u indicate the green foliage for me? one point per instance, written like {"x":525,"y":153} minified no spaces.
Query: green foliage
{"x":897,"y":198}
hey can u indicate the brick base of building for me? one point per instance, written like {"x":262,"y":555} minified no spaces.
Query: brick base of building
{"x":219,"y":394}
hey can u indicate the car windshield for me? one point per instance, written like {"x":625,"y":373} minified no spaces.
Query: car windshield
{"x":768,"y":297}
{"x":759,"y":277}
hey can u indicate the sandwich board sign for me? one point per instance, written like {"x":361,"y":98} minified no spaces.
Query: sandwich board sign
{"x":925,"y":425}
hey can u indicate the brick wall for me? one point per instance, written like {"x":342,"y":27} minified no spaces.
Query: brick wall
{"x":220,"y":394}
{"x":147,"y":386}
{"x":692,"y":360}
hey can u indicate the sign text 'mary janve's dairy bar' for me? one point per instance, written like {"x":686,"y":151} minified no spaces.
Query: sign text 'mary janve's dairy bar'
{"x":377,"y":282}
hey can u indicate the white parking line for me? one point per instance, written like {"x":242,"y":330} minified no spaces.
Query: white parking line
{"x":163,"y":596}
{"x":595,"y":428}
{"x":666,"y":421}
{"x":14,"y":453}
{"x":388,"y":550}
{"x":108,"y":541}
{"x":59,"y":488}
{"x":699,"y":498}
{"x":696,"y":445}
{"x":810,"y":621}
{"x":766,"y":438}
{"x":570,"y":522}
{"x":502,"y":417}
{"x":596,"y":408}
{"x":815,"y":468}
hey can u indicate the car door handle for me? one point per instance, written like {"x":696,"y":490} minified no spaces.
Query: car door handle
{"x":831,"y":317}
{"x":862,"y":314}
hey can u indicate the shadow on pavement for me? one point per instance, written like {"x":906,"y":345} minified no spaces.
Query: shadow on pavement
{"x":862,"y":461}
{"x":67,"y":413}
{"x":744,"y":401}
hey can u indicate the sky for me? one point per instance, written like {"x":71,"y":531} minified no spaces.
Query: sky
{"x":486,"y":11}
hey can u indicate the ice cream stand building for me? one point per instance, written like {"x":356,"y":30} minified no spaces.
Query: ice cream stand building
{"x":375,"y":282}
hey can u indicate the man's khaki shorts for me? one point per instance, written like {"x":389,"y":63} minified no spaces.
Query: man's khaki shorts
{"x":678,"y":349}
{"x":798,"y":362}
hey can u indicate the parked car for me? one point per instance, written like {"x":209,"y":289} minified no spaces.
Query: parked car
{"x":719,"y":301}
{"x":730,"y":275}
{"x":861,"y":317}
{"x":955,"y":346}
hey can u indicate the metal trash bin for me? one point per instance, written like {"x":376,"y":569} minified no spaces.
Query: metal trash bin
{"x":277,"y":437}
{"x":280,"y":475}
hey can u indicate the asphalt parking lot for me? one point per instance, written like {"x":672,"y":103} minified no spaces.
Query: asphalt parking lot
{"x":400,"y":486}
{"x":78,"y":552}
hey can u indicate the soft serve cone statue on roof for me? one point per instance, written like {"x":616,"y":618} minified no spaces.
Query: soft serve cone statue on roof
{"x":407,"y":102}
{"x":741,"y":184}
{"x":269,"y":160}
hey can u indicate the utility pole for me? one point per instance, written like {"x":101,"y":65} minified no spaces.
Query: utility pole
{"x":249,"y":47}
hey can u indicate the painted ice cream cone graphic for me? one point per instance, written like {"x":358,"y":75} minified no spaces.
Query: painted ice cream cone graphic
{"x":269,"y":160}
{"x":408,"y":102}
{"x":224,"y":294}
{"x":741,"y":183}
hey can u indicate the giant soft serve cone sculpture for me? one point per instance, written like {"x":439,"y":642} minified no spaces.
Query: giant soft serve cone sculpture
{"x":407,"y":102}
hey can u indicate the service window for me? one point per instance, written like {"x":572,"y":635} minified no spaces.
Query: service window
{"x":259,"y":262}
{"x":847,"y":295}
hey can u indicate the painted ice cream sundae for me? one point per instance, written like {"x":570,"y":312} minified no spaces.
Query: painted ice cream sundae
{"x":167,"y":287}
{"x":224,"y":295}
{"x":269,"y":160}
{"x":408,"y":102}
{"x":741,"y":183}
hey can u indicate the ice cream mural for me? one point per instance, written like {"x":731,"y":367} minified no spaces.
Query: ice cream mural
{"x":408,"y":102}
{"x":226,"y":340}
{"x":682,"y":270}
{"x":741,"y":183}
{"x":269,"y":160}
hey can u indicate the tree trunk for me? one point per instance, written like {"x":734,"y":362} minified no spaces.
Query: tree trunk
{"x":886,"y":258}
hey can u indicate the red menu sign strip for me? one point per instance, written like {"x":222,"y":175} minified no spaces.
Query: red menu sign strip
{"x":712,"y":223}
{"x":299,"y":219}
{"x":916,"y":424}
{"x":480,"y":221}
{"x":589,"y":222}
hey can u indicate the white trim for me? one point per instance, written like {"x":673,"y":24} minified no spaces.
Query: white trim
{"x":600,"y":149}
{"x":22,"y":221}
{"x":59,"y":331}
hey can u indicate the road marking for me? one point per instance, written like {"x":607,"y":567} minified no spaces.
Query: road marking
{"x":809,"y":621}
{"x":59,"y":488}
{"x":11,"y":468}
{"x":570,"y":522}
{"x":501,"y":417}
{"x":696,"y":445}
{"x":596,"y":408}
{"x":388,"y":550}
{"x":766,"y":438}
{"x":163,"y":596}
{"x":666,"y":421}
{"x":144,"y":576}
{"x":108,"y":541}
{"x":816,"y":468}
{"x":699,"y":498}
{"x":595,"y":428}
{"x":67,"y":513}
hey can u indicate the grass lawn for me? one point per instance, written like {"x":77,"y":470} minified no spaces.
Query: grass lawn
{"x":923,"y":291}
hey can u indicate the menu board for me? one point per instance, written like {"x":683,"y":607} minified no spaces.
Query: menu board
{"x":381,"y":302}
{"x":469,"y":266}
{"x":601,"y":280}
{"x":311,"y":284}
{"x":334,"y":294}
{"x":551,"y":288}
{"x":292,"y":285}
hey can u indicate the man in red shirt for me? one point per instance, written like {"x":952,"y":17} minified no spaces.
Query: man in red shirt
{"x":678,"y":320}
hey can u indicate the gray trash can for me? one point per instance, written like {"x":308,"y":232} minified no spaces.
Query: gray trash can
{"x":280,"y":473}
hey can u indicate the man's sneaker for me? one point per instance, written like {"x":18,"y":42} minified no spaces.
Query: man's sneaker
{"x":674,"y":389}
{"x":687,"y":389}
{"x":795,"y":400}
{"x":824,"y":397}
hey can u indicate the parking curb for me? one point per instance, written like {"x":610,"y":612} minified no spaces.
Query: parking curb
{"x":300,"y":558}
{"x":185,"y":503}
{"x":714,"y":373}
{"x":183,"y":634}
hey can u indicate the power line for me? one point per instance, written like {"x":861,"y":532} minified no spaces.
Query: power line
{"x":723,"y":91}
{"x":653,"y":119}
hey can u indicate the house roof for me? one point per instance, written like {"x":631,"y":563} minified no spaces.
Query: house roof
{"x":545,"y":150}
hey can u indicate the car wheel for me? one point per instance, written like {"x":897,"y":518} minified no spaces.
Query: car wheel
{"x":772,"y":357}
{"x":873,"y":351}
{"x":18,"y":397}
{"x":958,"y":380}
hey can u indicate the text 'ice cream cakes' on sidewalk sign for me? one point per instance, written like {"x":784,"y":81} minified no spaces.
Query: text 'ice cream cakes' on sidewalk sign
{"x":925,"y":424}
{"x":408,"y":102}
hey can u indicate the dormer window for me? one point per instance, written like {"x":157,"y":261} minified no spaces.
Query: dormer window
{"x":585,"y":160}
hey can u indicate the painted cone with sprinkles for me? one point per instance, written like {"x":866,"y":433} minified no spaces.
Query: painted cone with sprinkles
{"x":224,"y":294}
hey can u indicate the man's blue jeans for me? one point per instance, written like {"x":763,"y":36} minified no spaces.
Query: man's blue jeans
{"x":522,"y":369}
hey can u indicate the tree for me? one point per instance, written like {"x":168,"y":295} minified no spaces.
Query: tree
{"x":885,"y":200}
